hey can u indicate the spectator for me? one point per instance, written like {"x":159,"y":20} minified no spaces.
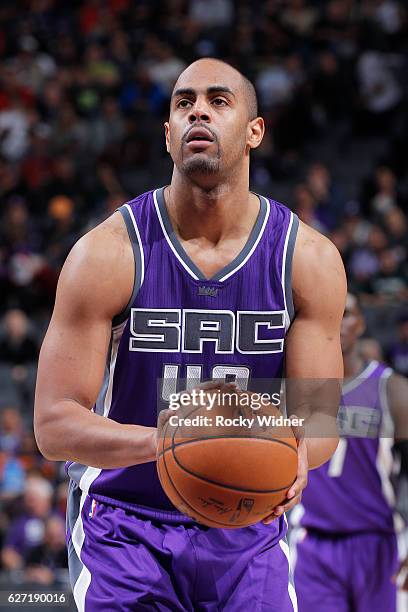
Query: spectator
{"x":306,"y":207}
{"x":18,"y":347}
{"x":165,"y":67}
{"x":330,"y":204}
{"x":14,"y":126}
{"x":45,"y":562}
{"x":27,"y":531}
{"x":12,"y":477}
{"x":370,"y":349}
{"x":379,"y":90}
{"x":212,"y":13}
{"x":11,"y":430}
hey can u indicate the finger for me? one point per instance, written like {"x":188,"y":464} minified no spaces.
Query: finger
{"x":400,"y":578}
{"x":296,"y":488}
{"x":287,"y":505}
{"x":210,"y":384}
{"x":302,"y":473}
{"x":163,"y":417}
{"x":298,"y":429}
{"x":269,"y":519}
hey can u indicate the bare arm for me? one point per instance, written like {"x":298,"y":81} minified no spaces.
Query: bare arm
{"x":95,"y":285}
{"x":314,"y":362}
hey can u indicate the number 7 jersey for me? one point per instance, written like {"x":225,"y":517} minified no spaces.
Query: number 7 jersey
{"x":181,"y":328}
{"x":352,"y":493}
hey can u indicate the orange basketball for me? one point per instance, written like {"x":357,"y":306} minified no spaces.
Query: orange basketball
{"x":226,"y":473}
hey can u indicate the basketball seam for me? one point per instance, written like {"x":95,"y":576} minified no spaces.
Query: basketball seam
{"x":232,"y":437}
{"x":221,"y":484}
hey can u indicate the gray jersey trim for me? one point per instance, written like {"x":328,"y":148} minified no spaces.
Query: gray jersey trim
{"x":287,"y":281}
{"x":100,"y":402}
{"x":168,"y":228}
{"x":73,"y":508}
{"x":188,"y":264}
{"x":250,"y":243}
{"x":134,"y":237}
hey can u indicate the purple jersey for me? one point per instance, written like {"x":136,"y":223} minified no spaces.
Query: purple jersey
{"x":352,"y":492}
{"x":180,"y":326}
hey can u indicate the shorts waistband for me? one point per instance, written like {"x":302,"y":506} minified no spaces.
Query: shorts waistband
{"x":166,"y":516}
{"x":334,"y":535}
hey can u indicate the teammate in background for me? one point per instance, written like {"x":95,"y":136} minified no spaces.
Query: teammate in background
{"x":345,"y":555}
{"x":190,"y":281}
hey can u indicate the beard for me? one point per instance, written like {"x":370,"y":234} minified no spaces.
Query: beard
{"x":199,"y":164}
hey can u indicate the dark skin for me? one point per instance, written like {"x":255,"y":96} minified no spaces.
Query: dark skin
{"x":352,"y":328}
{"x":213,"y":213}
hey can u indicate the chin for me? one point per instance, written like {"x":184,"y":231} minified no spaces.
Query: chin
{"x":200,"y":164}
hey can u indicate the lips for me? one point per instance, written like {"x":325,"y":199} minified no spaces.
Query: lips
{"x":199,"y":134}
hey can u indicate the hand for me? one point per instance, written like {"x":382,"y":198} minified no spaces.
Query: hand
{"x":294,"y":495}
{"x":400,"y":578}
{"x":211,"y":385}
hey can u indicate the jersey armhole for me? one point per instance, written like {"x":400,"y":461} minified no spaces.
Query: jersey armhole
{"x":138,"y":254}
{"x":287,"y":266}
{"x":383,"y":393}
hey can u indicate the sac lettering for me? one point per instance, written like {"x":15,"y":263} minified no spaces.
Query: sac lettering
{"x":186,"y":331}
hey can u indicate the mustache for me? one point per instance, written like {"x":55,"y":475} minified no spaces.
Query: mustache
{"x":199,"y":125}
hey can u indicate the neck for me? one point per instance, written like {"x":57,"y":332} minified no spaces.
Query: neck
{"x":211,"y":211}
{"x":353,"y":363}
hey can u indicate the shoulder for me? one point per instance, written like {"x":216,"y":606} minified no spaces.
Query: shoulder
{"x":317,"y":269}
{"x":100,"y":267}
{"x":104,"y":242}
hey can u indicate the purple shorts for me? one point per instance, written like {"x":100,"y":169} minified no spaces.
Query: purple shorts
{"x":345,"y":574}
{"x":122,"y":561}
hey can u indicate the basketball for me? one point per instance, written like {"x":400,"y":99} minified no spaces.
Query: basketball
{"x":224,"y":469}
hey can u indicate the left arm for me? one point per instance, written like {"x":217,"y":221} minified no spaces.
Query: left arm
{"x":314,"y":362}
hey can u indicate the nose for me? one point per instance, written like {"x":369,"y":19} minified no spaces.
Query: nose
{"x":199,"y":112}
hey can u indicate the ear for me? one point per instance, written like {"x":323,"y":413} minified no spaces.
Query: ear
{"x":167,"y":135}
{"x":255,"y":132}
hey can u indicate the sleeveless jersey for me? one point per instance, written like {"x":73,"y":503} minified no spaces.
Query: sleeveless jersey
{"x":352,"y":492}
{"x":181,"y":326}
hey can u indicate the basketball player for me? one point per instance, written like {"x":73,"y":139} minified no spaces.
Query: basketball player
{"x":346,"y":553}
{"x":192,"y":281}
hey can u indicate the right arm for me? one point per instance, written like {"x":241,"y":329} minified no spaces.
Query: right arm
{"x":95,"y":285}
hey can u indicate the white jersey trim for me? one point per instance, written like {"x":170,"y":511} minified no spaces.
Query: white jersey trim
{"x":291,"y":589}
{"x":91,"y":473}
{"x":358,"y":380}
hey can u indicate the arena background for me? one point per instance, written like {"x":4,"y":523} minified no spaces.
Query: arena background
{"x":84,"y":92}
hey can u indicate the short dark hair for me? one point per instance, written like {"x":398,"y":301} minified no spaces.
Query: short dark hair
{"x":252,"y":99}
{"x":249,"y":89}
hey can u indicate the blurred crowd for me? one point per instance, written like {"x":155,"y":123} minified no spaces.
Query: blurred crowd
{"x":84,"y":92}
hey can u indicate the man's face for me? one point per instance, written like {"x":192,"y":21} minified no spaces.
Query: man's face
{"x":352,"y":325}
{"x":209,"y":130}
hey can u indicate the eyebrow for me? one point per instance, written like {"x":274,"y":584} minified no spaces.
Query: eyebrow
{"x":188,"y":91}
